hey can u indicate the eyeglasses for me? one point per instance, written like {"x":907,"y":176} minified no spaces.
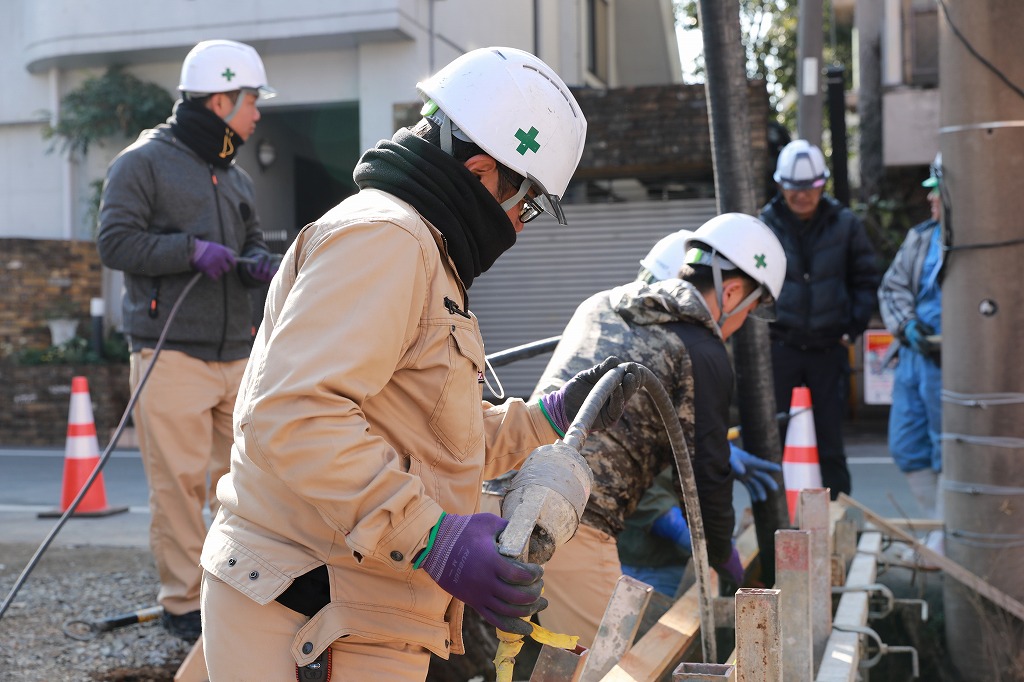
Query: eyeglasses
{"x":529,"y":211}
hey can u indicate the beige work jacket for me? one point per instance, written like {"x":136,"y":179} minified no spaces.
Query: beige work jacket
{"x":359,"y":419}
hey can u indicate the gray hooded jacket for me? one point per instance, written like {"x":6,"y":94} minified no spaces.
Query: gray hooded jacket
{"x":159,"y":196}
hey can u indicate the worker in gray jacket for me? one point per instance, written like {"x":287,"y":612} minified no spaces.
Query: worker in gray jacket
{"x":174,"y":204}
{"x":910,"y":300}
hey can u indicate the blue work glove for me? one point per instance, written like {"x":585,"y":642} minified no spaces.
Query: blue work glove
{"x":212,"y":259}
{"x":265,"y":267}
{"x":753,"y":472}
{"x":732,"y":570}
{"x":562,"y":405}
{"x":916,"y":332}
{"x":464,"y":561}
{"x":672,"y":526}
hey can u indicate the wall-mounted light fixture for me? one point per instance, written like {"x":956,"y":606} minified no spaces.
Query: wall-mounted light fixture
{"x":265,"y":154}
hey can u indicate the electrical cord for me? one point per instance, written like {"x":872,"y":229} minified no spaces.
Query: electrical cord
{"x":106,"y":452}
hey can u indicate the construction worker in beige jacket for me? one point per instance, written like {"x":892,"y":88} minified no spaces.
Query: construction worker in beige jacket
{"x":349,"y":517}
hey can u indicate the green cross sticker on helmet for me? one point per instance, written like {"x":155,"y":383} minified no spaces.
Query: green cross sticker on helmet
{"x":528,"y":141}
{"x":228,"y":74}
{"x":759,"y":259}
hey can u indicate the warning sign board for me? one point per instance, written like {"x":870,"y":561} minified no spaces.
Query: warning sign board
{"x":879,"y":367}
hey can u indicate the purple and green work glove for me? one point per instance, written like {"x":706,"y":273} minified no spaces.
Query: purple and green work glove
{"x":672,"y":526}
{"x":753,"y":472}
{"x":212,"y":259}
{"x":561,"y":406}
{"x":463,"y":560}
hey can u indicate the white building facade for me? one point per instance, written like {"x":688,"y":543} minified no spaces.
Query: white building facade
{"x":345,"y":71}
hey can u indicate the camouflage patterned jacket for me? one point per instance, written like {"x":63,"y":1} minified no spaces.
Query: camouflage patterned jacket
{"x":648,"y":324}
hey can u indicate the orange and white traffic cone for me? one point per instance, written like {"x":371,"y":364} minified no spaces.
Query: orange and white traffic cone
{"x":81,"y":455}
{"x":800,"y":465}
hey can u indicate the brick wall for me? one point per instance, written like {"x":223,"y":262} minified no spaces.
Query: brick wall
{"x":36,"y":401}
{"x":36,"y":275}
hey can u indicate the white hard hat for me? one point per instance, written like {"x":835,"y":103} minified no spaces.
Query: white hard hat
{"x":745,"y":243}
{"x":801,"y":165}
{"x":516,"y":108}
{"x":667,"y":256}
{"x":223,"y":66}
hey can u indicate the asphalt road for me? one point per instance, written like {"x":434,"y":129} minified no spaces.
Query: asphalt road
{"x":31,"y":479}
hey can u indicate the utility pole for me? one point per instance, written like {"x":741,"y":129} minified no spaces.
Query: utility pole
{"x":808,"y":75}
{"x":981,"y":136}
{"x":736,"y":190}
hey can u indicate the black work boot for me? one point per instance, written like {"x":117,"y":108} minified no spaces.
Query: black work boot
{"x":187,"y":626}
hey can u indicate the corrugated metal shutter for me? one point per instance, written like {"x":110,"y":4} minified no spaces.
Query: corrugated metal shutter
{"x":533,"y":289}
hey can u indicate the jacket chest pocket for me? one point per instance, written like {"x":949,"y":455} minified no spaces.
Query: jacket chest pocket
{"x":457,"y":420}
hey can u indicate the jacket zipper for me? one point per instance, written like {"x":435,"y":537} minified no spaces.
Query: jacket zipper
{"x":224,"y":284}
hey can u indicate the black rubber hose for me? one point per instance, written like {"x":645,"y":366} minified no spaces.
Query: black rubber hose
{"x":576,"y":436}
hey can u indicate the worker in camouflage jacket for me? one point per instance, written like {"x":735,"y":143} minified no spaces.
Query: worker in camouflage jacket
{"x":677,"y":328}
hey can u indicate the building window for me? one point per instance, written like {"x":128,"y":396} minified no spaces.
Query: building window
{"x":598,"y":54}
{"x":924,"y":46}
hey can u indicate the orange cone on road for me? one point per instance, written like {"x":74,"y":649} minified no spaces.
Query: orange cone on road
{"x":800,"y":465}
{"x":81,"y":455}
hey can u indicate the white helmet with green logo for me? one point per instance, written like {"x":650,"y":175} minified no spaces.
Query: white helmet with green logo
{"x":737,"y":240}
{"x":516,"y":108}
{"x":223,"y":66}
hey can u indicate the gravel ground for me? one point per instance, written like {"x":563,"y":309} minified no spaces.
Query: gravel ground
{"x":92,"y":583}
{"x":87,"y":583}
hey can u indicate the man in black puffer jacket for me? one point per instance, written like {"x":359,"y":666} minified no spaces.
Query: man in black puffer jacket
{"x":827,"y":301}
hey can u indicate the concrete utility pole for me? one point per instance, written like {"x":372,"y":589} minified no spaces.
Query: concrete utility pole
{"x":981,"y":137}
{"x":736,"y":191}
{"x":808,"y":75}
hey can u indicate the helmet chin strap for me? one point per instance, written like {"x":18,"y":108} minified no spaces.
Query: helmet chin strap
{"x":716,"y":274}
{"x":239,"y":101}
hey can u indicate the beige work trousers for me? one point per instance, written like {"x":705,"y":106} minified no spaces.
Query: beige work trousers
{"x":578,"y":582}
{"x":183,"y":423}
{"x":244,"y":641}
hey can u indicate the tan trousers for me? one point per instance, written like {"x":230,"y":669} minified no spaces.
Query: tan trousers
{"x":183,"y":422}
{"x":578,"y":582}
{"x":245,"y":641}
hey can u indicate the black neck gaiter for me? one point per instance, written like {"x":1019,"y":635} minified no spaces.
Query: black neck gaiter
{"x":442,"y":190}
{"x":205,"y":133}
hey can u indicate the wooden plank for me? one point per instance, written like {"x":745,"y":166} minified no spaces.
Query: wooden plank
{"x":193,"y":668}
{"x":676,"y":631}
{"x":916,"y":525}
{"x":618,"y":627}
{"x":950,"y":567}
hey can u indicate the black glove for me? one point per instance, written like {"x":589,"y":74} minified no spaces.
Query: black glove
{"x":563,"y":405}
{"x":261,"y":266}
